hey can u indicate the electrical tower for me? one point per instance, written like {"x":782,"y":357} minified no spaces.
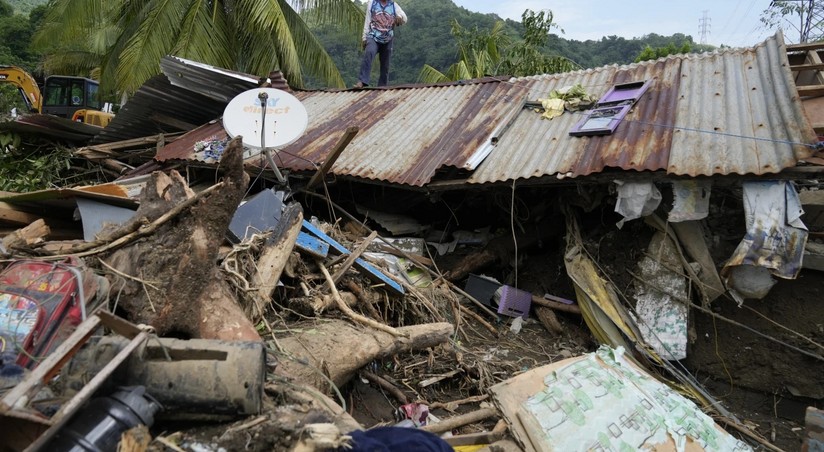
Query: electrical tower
{"x":704,"y":26}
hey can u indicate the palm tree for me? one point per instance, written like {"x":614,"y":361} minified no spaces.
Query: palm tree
{"x":478,"y":54}
{"x":484,"y":53}
{"x":123,"y":41}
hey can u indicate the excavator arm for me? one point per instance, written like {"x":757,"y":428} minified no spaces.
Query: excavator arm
{"x":25,"y":84}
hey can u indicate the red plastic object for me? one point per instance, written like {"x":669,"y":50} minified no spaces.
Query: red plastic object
{"x":40,"y":305}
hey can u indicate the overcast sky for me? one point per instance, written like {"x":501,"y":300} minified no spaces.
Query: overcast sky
{"x":732,"y":22}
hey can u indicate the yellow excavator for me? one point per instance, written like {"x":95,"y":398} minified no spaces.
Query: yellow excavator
{"x":75,"y":98}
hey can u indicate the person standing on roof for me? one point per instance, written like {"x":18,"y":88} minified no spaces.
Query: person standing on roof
{"x":382,"y":16}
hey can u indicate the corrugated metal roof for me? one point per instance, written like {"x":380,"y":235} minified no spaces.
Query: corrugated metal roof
{"x":219,"y":84}
{"x":730,"y":112}
{"x":52,"y":126}
{"x":406,"y":135}
{"x":186,"y":96}
{"x":183,"y":148}
{"x":159,"y":107}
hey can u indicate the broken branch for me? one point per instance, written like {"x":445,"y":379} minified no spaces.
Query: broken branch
{"x":87,"y":249}
{"x":460,"y":421}
{"x":568,"y":308}
{"x":386,"y":385}
{"x":343,"y":307}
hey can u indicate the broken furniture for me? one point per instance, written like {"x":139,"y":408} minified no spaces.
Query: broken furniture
{"x":26,"y":429}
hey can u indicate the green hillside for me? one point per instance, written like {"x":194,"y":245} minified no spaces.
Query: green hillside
{"x":25,"y":6}
{"x":427,"y":40}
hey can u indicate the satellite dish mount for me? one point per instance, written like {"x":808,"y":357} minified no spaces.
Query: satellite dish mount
{"x":257,"y":112}
{"x":264,"y":97}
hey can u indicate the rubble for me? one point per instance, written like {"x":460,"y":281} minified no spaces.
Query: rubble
{"x":360,"y":292}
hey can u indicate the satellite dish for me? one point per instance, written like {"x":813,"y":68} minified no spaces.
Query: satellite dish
{"x":265,"y":118}
{"x":283,"y":121}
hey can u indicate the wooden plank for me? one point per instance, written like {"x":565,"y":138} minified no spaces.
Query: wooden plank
{"x":119,"y":325}
{"x":135,"y":142}
{"x":29,"y":235}
{"x":804,"y":47}
{"x":690,"y":235}
{"x":355,"y":254}
{"x":807,"y":67}
{"x":274,"y":257}
{"x":312,"y":246}
{"x":47,"y":369}
{"x":569,"y":308}
{"x":344,"y":141}
{"x":69,"y":408}
{"x":11,"y":214}
{"x":811,"y":90}
{"x":370,"y":271}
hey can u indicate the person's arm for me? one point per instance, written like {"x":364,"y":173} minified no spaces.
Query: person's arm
{"x":367,"y":21}
{"x":400,"y":16}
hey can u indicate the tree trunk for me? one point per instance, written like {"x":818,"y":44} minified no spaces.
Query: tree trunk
{"x":340,"y":349}
{"x":173,"y":281}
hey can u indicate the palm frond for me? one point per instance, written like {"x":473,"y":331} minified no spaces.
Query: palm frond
{"x":429,"y":74}
{"x":154,"y":38}
{"x":205,"y":35}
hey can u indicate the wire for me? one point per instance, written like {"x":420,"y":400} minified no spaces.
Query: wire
{"x":512,"y":226}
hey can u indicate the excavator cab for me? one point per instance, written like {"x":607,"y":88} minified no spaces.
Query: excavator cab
{"x":64,"y":95}
{"x":76,"y":98}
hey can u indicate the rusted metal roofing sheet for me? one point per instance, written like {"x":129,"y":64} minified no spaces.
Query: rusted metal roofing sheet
{"x":406,"y":135}
{"x":53,"y":126}
{"x":731,"y":112}
{"x":183,"y":148}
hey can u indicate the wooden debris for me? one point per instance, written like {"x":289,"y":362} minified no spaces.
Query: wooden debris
{"x":349,"y":312}
{"x":479,"y":319}
{"x":322,"y":348}
{"x":274,"y":256}
{"x":370,"y":271}
{"x":344,"y":141}
{"x":691,"y":237}
{"x":321,"y":303}
{"x":549,"y":320}
{"x":568,"y":308}
{"x":386,"y":386}
{"x":187,"y":294}
{"x":367,"y":301}
{"x":11,"y":214}
{"x":471,"y":439}
{"x":27,"y":236}
{"x":432,"y":380}
{"x":135,"y":439}
{"x":453,"y":405}
{"x":460,"y":421}
{"x":352,"y":257}
{"x":312,"y":246}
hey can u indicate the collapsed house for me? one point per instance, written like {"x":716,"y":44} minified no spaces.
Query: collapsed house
{"x":658,"y":202}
